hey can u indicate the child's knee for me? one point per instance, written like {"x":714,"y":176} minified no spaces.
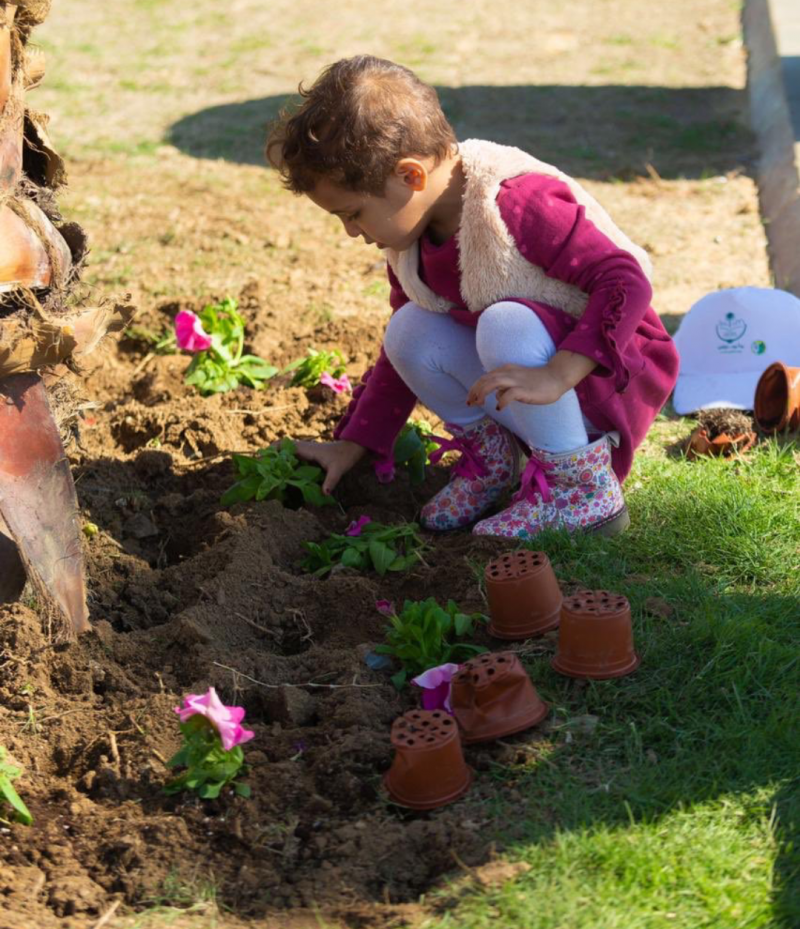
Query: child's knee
{"x":398,"y":338}
{"x":511,"y":333}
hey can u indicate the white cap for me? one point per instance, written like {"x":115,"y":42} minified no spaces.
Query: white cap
{"x":727,"y":340}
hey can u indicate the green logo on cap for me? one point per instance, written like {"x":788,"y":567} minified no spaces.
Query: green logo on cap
{"x":758,"y":347}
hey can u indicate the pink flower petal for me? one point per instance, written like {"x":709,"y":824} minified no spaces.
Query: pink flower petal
{"x":357,"y":525}
{"x":384,"y":606}
{"x":189,"y":332}
{"x":225,"y":719}
{"x":338,"y":384}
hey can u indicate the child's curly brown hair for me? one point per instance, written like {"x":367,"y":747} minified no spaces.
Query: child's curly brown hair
{"x":360,"y":117}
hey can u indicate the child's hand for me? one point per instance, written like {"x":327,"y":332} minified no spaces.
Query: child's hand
{"x":337,"y":458}
{"x":517,"y":383}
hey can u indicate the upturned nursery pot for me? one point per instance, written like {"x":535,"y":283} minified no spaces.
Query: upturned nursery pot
{"x":595,"y":638}
{"x":492,"y":696}
{"x":722,"y":445}
{"x":428,"y":770}
{"x":777,"y":401}
{"x":523,"y":593}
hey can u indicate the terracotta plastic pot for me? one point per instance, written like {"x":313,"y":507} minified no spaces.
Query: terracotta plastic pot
{"x":523,"y":593}
{"x":722,"y":445}
{"x":595,"y":639}
{"x":777,"y":401}
{"x":493,"y":696}
{"x":428,"y":769}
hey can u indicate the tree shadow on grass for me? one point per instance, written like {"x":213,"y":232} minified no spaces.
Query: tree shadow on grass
{"x":603,"y":133}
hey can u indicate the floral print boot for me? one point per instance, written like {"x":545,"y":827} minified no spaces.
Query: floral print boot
{"x":575,"y":490}
{"x":488,"y":466}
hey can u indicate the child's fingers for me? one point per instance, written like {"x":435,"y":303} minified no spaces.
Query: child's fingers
{"x":333,"y":475}
{"x":489,"y":383}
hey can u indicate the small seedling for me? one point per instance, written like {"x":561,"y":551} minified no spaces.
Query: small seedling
{"x":373,"y":547}
{"x":309,"y":370}
{"x":275,"y":473}
{"x":216,"y":337}
{"x":9,"y":773}
{"x":425,"y":635}
{"x":158,"y":343}
{"x":413,"y":448}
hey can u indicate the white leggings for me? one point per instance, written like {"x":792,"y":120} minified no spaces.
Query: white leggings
{"x":440,"y":360}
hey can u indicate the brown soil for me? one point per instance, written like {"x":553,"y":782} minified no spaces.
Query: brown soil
{"x":181,"y":590}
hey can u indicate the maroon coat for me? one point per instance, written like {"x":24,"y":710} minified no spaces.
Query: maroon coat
{"x":637,"y":364}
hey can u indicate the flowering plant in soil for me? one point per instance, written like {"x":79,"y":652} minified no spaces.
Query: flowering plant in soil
{"x":276,"y":474}
{"x":212,"y":746}
{"x":8,"y":773}
{"x":424,"y":635}
{"x":216,"y":338}
{"x":412,"y":448}
{"x":366,"y":545}
{"x":309,"y":371}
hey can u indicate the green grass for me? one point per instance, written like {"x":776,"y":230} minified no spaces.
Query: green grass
{"x":678,"y":809}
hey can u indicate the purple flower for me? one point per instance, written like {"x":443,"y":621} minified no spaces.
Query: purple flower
{"x":339,"y":384}
{"x":189,"y":332}
{"x":436,"y":684}
{"x":357,"y":525}
{"x":384,"y":470}
{"x":386,"y":607}
{"x":225,"y":719}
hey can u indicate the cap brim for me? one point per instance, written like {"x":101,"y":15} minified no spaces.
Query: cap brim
{"x":706,"y":391}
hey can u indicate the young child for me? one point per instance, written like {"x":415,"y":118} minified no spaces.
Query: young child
{"x":521,"y":312}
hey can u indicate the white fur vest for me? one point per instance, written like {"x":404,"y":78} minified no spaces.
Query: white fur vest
{"x":492,"y":268}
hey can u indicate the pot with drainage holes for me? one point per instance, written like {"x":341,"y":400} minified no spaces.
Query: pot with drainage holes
{"x":428,"y":770}
{"x":776,"y":405}
{"x":492,"y":696}
{"x":595,"y":639}
{"x":523,"y":593}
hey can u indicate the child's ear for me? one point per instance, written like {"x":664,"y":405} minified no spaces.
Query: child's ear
{"x":412,"y":173}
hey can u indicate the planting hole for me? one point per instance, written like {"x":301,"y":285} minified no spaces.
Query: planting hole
{"x":490,"y":670}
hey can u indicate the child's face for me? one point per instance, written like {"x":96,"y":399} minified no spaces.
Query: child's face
{"x":394,"y":220}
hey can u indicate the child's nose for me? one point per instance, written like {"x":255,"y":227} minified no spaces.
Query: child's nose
{"x":351,"y":229}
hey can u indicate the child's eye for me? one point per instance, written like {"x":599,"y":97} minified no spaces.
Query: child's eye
{"x":354,"y":216}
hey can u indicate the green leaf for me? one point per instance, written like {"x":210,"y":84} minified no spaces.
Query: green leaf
{"x":351,"y":557}
{"x":382,"y":556}
{"x":242,"y":790}
{"x":10,"y":795}
{"x":463,"y":623}
{"x":210,"y":791}
{"x":242,"y":490}
{"x":313,"y":494}
{"x":399,"y":679}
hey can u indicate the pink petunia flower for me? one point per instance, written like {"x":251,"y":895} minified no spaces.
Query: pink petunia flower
{"x":386,"y":607}
{"x":190,"y":333}
{"x":436,"y":684}
{"x":384,"y":471}
{"x":357,"y":525}
{"x":225,"y":719}
{"x":339,"y":384}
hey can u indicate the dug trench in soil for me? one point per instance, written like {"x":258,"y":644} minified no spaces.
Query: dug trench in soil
{"x":183,"y":590}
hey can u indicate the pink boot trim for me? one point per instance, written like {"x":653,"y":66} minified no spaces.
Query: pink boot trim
{"x":577,"y":491}
{"x":488,"y":466}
